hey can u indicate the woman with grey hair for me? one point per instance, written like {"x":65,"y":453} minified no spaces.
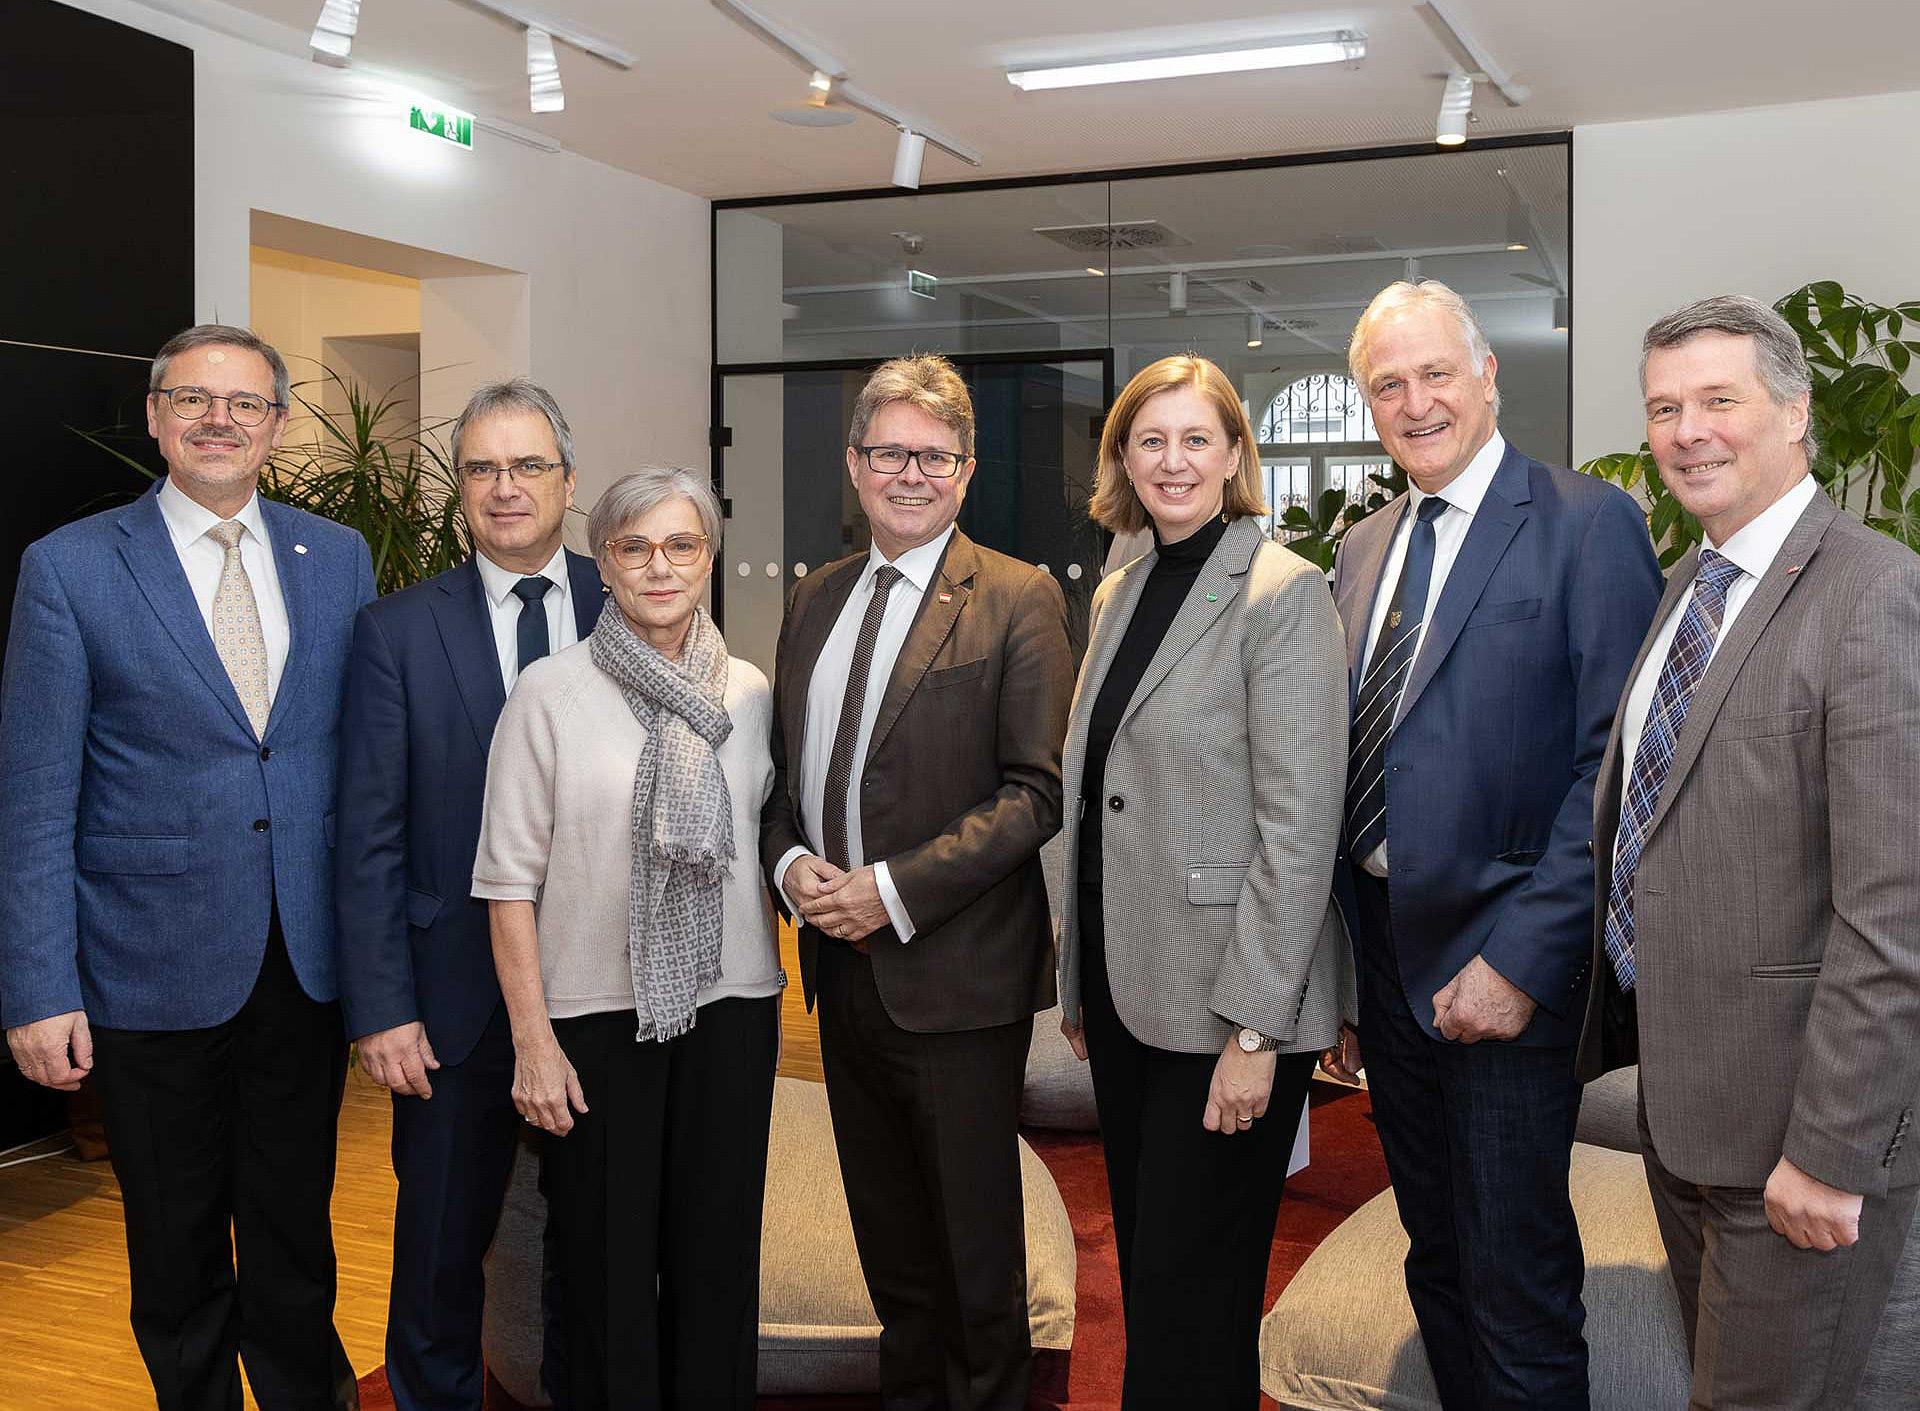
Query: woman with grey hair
{"x":636,"y":951}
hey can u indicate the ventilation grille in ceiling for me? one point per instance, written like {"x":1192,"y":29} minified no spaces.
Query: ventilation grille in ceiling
{"x":1121,"y":235}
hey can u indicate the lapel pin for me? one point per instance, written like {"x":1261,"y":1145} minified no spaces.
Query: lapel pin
{"x":946,"y":597}
{"x":299,"y":548}
{"x":1393,"y":620}
{"x":1795,"y":569}
{"x":1213,"y":597}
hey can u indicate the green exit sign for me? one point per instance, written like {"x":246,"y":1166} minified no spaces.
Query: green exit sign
{"x":448,"y":124}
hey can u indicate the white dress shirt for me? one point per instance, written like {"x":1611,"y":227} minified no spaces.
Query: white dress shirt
{"x":1752,"y":548}
{"x":827,"y":691}
{"x":1463,"y":495}
{"x":504,"y":608}
{"x":203,"y":559}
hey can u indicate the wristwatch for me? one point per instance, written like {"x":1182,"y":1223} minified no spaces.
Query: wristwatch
{"x":1253,"y":1041}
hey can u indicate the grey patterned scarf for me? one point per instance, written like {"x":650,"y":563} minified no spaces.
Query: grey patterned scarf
{"x":682,"y":816}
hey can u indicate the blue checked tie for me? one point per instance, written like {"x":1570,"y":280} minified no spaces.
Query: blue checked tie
{"x":1686,"y":664}
{"x":1380,"y":689}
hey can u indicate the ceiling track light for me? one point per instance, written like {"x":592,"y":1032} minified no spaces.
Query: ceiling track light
{"x":1562,"y":313}
{"x":1177,"y":292}
{"x":1336,"y":47}
{"x":819,"y":63}
{"x":1256,"y":329}
{"x":1519,"y":229}
{"x":543,"y":74}
{"x":908,"y":155}
{"x":333,"y":32}
{"x":1456,"y":106}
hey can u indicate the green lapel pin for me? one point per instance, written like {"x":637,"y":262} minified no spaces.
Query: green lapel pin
{"x":1213,"y":597}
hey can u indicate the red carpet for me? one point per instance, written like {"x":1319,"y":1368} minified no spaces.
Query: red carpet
{"x":1345,"y":1172}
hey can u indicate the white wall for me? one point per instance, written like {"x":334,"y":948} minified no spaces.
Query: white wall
{"x":616,"y":266}
{"x":1758,"y":201}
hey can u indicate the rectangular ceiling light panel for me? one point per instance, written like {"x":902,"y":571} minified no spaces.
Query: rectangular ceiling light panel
{"x":1340,"y":47}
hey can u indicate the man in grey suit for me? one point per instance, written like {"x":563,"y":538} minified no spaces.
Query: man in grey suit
{"x":1757,"y":937}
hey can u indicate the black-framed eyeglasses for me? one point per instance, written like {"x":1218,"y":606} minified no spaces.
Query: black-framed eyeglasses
{"x":192,"y":403}
{"x":891,"y":460}
{"x":636,"y":551}
{"x":479,"y":472}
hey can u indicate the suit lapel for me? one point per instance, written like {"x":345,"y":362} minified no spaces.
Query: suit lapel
{"x":1367,"y":563}
{"x":296,"y":591}
{"x":589,"y":594}
{"x":150,"y":557}
{"x":1502,"y":511}
{"x":1784,"y":572}
{"x":947,"y":593}
{"x":463,"y":617}
{"x":1212,"y":592}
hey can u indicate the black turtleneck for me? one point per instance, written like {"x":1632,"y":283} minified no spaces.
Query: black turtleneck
{"x":1173,"y":575}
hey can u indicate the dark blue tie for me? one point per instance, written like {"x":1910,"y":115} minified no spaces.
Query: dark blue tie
{"x":1686,"y":663}
{"x":1380,"y":689}
{"x":532,"y":631}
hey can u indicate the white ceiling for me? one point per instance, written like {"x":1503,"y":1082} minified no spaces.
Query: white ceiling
{"x":693,"y":113}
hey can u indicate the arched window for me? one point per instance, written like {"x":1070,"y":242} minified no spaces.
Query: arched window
{"x":1318,"y":434}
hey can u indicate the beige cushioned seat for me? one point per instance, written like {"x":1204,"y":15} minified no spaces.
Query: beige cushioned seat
{"x":818,"y":1332}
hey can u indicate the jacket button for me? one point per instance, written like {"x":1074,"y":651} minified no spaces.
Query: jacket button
{"x":1116,"y":803}
{"x":265,"y":753}
{"x":260,"y":825}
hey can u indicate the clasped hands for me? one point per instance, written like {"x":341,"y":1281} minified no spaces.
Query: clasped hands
{"x":841,"y":903}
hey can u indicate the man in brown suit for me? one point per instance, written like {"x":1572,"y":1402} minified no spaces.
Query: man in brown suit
{"x":1757,"y":943}
{"x":920,"y":699}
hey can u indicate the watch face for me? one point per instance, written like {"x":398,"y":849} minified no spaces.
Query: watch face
{"x":1249,"y":1041}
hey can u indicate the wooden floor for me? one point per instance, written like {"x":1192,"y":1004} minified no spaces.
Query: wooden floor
{"x":63,"y":1253}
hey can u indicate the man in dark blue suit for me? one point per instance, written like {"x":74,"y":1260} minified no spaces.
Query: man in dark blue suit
{"x":430,"y":670}
{"x":1492,"y":615}
{"x":168,"y":724}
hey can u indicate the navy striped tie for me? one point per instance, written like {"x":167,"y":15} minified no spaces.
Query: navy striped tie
{"x":1380,"y":689}
{"x":1686,"y":663}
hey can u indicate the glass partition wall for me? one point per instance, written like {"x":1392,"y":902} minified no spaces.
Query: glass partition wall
{"x":1049,"y":295}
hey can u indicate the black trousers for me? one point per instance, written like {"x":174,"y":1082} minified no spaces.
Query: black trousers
{"x":1193,"y":1210}
{"x":232,"y":1127}
{"x":1478,"y":1140}
{"x":925,"y":1125}
{"x":452,"y":1154}
{"x":654,"y":1199}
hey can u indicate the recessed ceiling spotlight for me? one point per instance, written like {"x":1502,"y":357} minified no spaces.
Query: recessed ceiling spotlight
{"x":333,"y":32}
{"x":1339,"y":47}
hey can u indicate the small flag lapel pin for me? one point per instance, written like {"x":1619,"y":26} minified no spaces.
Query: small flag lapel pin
{"x":1793,"y":570}
{"x":946,"y":597}
{"x":299,"y":548}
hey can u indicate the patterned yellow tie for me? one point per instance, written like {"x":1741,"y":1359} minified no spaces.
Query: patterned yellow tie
{"x":236,"y":629}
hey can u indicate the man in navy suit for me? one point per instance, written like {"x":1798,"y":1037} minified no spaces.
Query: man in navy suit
{"x":168,"y":724}
{"x":1492,"y":615}
{"x":431,"y":668}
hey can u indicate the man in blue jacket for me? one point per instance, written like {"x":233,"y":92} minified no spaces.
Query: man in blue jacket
{"x":430,"y":669}
{"x":1492,"y":614}
{"x":168,"y":724}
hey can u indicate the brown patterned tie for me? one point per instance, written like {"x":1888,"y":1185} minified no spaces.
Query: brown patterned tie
{"x":236,"y":629}
{"x":846,"y":735}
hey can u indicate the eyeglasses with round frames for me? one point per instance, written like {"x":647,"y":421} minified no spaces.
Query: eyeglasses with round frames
{"x":635,"y":551}
{"x":478,"y":472}
{"x":192,"y":403}
{"x":891,"y":460}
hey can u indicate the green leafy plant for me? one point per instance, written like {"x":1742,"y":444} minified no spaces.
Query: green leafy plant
{"x":1866,"y":422}
{"x":392,"y":483}
{"x":1315,"y":533}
